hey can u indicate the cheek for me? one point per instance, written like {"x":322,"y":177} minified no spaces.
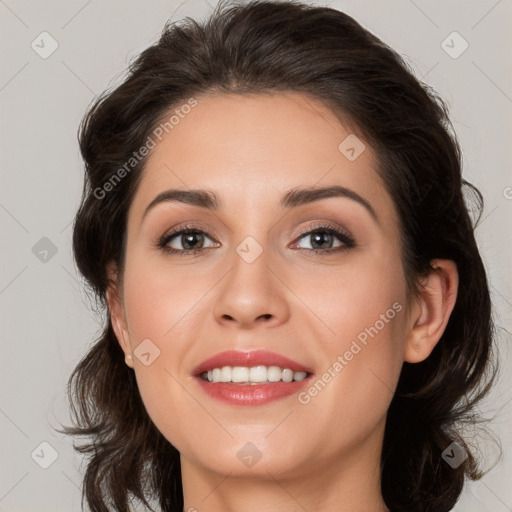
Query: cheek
{"x":160,"y":308}
{"x":362,"y":311}
{"x":366,"y":293}
{"x":162,"y":302}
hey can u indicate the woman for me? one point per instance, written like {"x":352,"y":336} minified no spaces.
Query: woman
{"x":298,"y":317}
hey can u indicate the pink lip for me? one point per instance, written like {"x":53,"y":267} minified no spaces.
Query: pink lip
{"x":250,"y":394}
{"x":249,"y":359}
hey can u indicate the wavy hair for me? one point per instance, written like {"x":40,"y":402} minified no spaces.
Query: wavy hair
{"x":266,"y":47}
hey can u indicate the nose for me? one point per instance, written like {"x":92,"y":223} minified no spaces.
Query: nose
{"x":252,"y":293}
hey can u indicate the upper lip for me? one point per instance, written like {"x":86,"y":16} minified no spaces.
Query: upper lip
{"x":252,"y":358}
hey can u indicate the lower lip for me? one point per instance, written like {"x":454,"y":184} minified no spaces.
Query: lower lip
{"x":251,"y":394}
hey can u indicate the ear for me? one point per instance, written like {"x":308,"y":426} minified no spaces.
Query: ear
{"x":432,"y":311}
{"x":117,"y":314}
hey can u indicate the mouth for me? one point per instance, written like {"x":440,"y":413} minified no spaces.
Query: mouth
{"x":251,"y":378}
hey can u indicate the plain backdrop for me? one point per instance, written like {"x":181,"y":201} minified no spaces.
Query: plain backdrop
{"x":46,"y":320}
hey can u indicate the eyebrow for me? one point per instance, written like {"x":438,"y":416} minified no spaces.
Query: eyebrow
{"x":293,"y":198}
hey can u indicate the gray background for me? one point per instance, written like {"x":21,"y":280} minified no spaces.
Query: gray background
{"x":47,"y":324}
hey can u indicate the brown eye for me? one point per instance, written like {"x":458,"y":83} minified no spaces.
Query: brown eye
{"x":322,"y":239}
{"x":190,"y":238}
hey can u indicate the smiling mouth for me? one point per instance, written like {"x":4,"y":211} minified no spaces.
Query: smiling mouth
{"x":255,"y":375}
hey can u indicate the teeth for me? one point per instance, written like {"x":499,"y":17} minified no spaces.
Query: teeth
{"x":252,"y":375}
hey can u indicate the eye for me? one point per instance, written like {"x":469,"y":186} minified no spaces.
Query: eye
{"x":322,"y":236}
{"x":192,"y":241}
{"x":189,"y":237}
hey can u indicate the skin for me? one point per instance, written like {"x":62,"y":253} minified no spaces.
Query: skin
{"x":252,"y":149}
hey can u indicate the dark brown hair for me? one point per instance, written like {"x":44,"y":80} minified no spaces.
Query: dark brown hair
{"x":270,"y":47}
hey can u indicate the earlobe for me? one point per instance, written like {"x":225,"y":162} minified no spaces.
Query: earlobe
{"x":118,"y":318}
{"x":434,"y":306}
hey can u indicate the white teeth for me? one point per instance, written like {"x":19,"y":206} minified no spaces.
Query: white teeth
{"x":225,"y":374}
{"x":252,"y":375}
{"x":287,"y":375}
{"x":239,"y":374}
{"x":274,"y":373}
{"x":258,"y":374}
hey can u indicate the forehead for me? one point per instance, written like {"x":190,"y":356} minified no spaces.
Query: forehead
{"x":253,"y":148}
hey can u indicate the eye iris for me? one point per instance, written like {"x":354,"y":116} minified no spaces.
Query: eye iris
{"x":188,"y":237}
{"x":319,"y":238}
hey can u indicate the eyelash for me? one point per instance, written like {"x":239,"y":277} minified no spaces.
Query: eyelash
{"x":343,"y":237}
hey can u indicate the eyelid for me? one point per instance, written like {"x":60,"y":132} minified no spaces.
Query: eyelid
{"x":321,"y":224}
{"x":180,"y":228}
{"x":324,"y":224}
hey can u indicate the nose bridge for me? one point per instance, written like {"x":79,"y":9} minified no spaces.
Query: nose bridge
{"x":250,"y":290}
{"x":254,"y":257}
{"x":251,"y":234}
{"x":251,"y":264}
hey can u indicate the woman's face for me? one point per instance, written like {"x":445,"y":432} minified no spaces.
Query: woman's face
{"x":337,"y":308}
